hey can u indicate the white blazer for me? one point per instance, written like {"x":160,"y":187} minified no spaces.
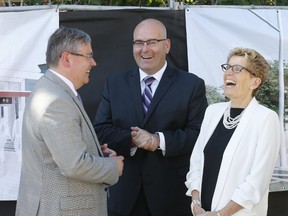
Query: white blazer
{"x":248,"y":160}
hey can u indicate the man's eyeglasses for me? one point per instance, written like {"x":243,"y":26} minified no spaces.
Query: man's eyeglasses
{"x":235,"y":68}
{"x":90,"y":56}
{"x":151,"y":42}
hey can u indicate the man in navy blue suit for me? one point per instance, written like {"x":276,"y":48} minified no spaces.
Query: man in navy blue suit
{"x":156,"y":135}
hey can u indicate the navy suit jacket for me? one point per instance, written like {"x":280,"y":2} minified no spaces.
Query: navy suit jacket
{"x":177,"y":110}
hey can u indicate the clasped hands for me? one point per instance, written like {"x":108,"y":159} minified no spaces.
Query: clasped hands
{"x":207,"y":214}
{"x":145,"y":140}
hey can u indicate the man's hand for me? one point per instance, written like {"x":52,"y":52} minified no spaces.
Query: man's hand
{"x":119,"y":163}
{"x":145,"y":140}
{"x":108,"y":152}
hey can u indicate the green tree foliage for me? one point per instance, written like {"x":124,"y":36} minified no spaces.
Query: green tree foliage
{"x":237,"y":2}
{"x":160,"y":3}
{"x":268,"y":94}
{"x":215,"y":95}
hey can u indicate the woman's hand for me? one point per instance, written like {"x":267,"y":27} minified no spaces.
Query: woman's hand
{"x":197,"y":210}
{"x":207,"y":214}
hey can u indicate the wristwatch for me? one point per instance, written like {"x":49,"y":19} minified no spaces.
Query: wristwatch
{"x":195,"y":202}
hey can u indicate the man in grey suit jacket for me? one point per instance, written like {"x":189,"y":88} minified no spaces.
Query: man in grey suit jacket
{"x":64,"y":169}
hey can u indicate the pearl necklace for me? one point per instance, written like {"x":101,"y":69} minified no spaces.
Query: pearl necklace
{"x":229,"y":122}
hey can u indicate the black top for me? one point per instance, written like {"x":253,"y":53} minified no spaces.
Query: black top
{"x":213,"y":153}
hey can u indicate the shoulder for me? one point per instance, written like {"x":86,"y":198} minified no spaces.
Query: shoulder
{"x":217,"y":106}
{"x":183,"y":74}
{"x":259,"y":109}
{"x":184,"y":79}
{"x":263,"y":111}
{"x":121,"y":81}
{"x":123,"y":75}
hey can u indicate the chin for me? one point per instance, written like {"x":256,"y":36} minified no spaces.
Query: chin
{"x":86,"y":81}
{"x":228,"y":95}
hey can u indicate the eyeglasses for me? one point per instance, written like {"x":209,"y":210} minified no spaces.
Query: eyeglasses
{"x":90,"y":56}
{"x":235,"y":68}
{"x":151,"y":42}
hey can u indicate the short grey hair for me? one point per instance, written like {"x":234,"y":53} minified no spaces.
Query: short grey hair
{"x":64,"y":39}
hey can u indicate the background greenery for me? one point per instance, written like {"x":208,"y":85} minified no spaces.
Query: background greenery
{"x":159,"y":3}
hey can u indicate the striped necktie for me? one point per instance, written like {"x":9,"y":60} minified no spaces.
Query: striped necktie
{"x":147,"y":94}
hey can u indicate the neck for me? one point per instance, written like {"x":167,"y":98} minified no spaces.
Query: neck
{"x":240,"y":103}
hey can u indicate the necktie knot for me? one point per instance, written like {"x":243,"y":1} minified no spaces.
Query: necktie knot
{"x":149,"y":80}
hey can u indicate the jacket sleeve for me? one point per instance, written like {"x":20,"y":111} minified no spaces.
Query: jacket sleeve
{"x":257,"y":181}
{"x":72,"y":147}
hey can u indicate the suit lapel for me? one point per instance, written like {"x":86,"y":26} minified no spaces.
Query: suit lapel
{"x":135,"y":90}
{"x":88,"y":122}
{"x":165,"y":83}
{"x":49,"y":75}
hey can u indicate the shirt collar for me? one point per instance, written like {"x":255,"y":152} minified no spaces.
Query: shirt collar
{"x":67,"y":81}
{"x":157,"y":75}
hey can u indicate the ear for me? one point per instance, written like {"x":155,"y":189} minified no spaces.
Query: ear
{"x":167,"y":45}
{"x":256,"y":81}
{"x":65,"y":59}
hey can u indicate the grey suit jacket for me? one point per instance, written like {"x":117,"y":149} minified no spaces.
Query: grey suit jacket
{"x":63,"y":169}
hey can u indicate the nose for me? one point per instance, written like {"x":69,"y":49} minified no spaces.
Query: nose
{"x":93,"y":62}
{"x":145,"y":43}
{"x":229,"y":71}
{"x":145,"y":46}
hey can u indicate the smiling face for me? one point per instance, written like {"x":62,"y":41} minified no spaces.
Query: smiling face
{"x":239,"y":86}
{"x":81,"y":66}
{"x":150,"y":58}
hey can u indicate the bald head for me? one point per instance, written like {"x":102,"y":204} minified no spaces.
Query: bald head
{"x":151,"y":25}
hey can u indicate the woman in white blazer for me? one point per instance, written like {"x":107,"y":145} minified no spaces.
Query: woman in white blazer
{"x":234,"y":157}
